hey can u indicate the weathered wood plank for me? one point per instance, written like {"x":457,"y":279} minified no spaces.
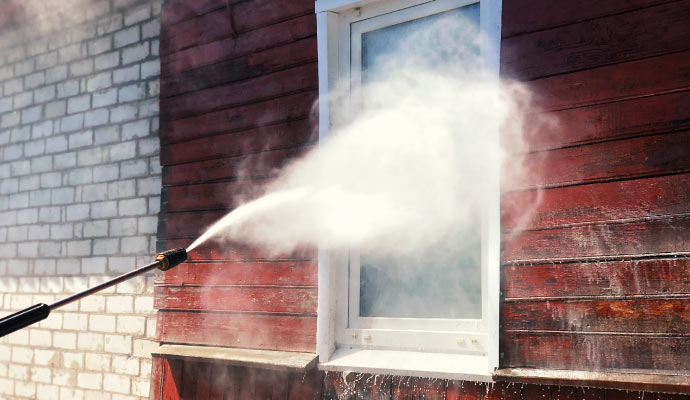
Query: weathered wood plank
{"x":601,"y":122}
{"x":278,"y":135}
{"x":214,"y":251}
{"x":613,"y":82}
{"x":176,"y":11}
{"x":522,"y":16}
{"x":630,"y":158}
{"x":307,"y":386}
{"x":247,"y":43}
{"x":594,"y":352}
{"x":290,"y":111}
{"x":613,"y":278}
{"x":260,"y":165}
{"x":297,"y":79}
{"x":599,"y":241}
{"x":218,"y":195}
{"x":221,"y":23}
{"x":602,"y":41}
{"x":254,"y":331}
{"x":250,"y":66}
{"x":187,"y":224}
{"x":636,"y":198}
{"x":276,"y":273}
{"x":284,"y":300}
{"x":465,"y":390}
{"x":660,"y":316}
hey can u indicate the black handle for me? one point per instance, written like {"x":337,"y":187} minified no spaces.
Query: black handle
{"x":23,"y":318}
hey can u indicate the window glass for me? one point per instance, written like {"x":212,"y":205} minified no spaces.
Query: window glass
{"x":443,"y":281}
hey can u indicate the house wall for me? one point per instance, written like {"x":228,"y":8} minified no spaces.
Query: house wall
{"x":597,"y":277}
{"x":79,"y":194}
{"x":238,"y":81}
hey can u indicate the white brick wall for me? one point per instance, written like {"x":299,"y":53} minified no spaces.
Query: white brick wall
{"x":79,"y":198}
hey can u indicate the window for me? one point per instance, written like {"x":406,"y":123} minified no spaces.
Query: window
{"x":437,"y":330}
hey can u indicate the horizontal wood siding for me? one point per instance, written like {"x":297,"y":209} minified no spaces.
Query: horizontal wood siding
{"x":238,"y":85}
{"x":595,"y":266}
{"x":178,"y":379}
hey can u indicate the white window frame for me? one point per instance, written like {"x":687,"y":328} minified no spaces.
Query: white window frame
{"x":461,"y":349}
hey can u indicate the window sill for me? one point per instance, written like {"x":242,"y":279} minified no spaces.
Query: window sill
{"x":410,"y":363}
{"x":265,"y":359}
{"x":662,"y":382}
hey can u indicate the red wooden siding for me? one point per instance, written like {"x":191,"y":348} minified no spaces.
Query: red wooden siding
{"x":176,"y":379}
{"x":596,"y":276}
{"x":238,"y":83}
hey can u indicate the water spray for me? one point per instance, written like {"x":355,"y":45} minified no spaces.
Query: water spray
{"x":38,"y":312}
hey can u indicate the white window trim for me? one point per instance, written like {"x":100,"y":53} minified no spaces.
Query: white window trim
{"x":334,"y":16}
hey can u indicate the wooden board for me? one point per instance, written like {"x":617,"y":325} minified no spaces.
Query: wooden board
{"x":654,"y":277}
{"x":607,"y":121}
{"x":272,"y":273}
{"x":282,"y":111}
{"x":216,"y":251}
{"x":272,"y":299}
{"x":524,"y":16}
{"x":638,"y":157}
{"x":254,"y":166}
{"x":661,"y":316}
{"x":252,"y":65}
{"x":602,"y":41}
{"x":600,"y":202}
{"x":247,"y":43}
{"x":245,"y":330}
{"x":590,"y":352}
{"x":626,"y":80}
{"x":176,"y":11}
{"x":215,"y":25}
{"x":297,"y":79}
{"x":599,"y":241}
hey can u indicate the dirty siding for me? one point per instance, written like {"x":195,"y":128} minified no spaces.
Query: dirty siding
{"x":595,"y":279}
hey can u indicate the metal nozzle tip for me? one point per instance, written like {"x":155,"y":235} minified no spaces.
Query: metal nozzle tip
{"x":171,"y":258}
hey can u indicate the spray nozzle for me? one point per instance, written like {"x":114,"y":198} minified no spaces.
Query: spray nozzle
{"x":171,"y":258}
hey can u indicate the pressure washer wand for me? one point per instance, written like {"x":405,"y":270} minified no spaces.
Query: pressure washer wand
{"x":21,"y":319}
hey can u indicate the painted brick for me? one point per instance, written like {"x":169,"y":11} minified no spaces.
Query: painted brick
{"x":126,"y":74}
{"x":22,"y":100}
{"x":133,"y":168}
{"x":132,"y":207}
{"x":119,"y":344}
{"x":32,"y":114}
{"x":44,"y":267}
{"x":93,"y":265}
{"x":100,"y":45}
{"x":116,"y":383}
{"x":107,"y":61}
{"x":95,"y":228}
{"x":134,"y":325}
{"x":148,"y":186}
{"x":79,"y":248}
{"x":100,"y":81}
{"x":55,"y":109}
{"x":50,"y":249}
{"x":42,"y":129}
{"x":81,"y":67}
{"x":72,"y":122}
{"x":65,"y":340}
{"x":150,"y":29}
{"x":56,"y":144}
{"x":102,"y":323}
{"x":90,"y":156}
{"x":56,"y":74}
{"x":67,"y":266}
{"x":47,"y":391}
{"x":44,"y":94}
{"x":107,"y":134}
{"x":95,"y":192}
{"x":41,"y":232}
{"x":90,"y":341}
{"x":121,"y":265}
{"x":41,"y":164}
{"x":104,"y":209}
{"x":123,"y":151}
{"x":89,"y":380}
{"x":96,"y":117}
{"x":126,"y":36}
{"x":24,"y":389}
{"x":69,"y":88}
{"x":65,"y":160}
{"x":78,"y":104}
{"x":135,"y":53}
{"x":132,"y":92}
{"x":150,"y":69}
{"x":13,"y":86}
{"x":62,"y":195}
{"x":77,"y":212}
{"x":105,"y":246}
{"x":135,"y":245}
{"x":108,"y":172}
{"x":34,"y":80}
{"x":105,"y":97}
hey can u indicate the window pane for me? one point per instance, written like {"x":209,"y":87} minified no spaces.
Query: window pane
{"x":443,"y":281}
{"x":381,"y":48}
